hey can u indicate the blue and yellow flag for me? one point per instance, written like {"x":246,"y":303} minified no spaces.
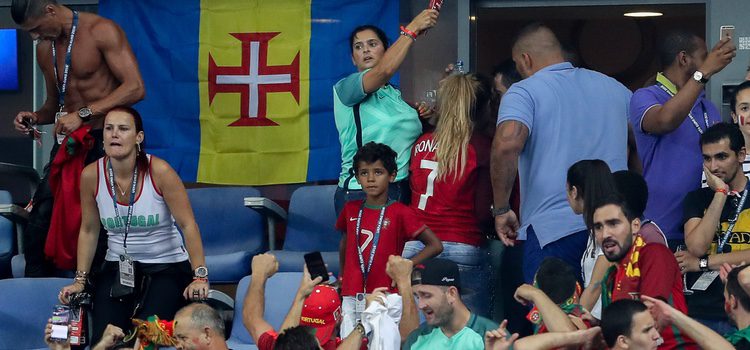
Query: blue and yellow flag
{"x":239,"y":91}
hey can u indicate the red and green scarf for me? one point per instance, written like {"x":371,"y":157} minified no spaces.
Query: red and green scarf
{"x":622,"y":281}
{"x":570,"y":306}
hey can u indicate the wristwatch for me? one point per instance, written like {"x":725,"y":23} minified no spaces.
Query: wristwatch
{"x":200,"y":272}
{"x":698,"y":76}
{"x":361,"y":329}
{"x":85,"y":114}
{"x":703,"y":263}
{"x":499,"y":211}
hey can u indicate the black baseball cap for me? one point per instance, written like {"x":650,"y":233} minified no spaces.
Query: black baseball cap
{"x":437,"y":272}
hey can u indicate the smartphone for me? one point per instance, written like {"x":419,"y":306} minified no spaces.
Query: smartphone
{"x":316,"y":266}
{"x":437,"y":4}
{"x":726,"y":31}
{"x":60,"y":320}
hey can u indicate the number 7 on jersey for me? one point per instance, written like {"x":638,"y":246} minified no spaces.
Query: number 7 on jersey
{"x":432,"y":166}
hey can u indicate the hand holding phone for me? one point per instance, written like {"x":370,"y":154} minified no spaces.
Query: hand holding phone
{"x":316,"y":266}
{"x":726,"y":32}
{"x":435,"y":5}
{"x":59,"y":321}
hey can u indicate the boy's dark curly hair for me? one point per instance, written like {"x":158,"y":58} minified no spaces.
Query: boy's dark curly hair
{"x":372,"y":152}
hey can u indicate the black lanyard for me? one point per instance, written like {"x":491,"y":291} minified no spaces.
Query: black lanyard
{"x":375,"y":240}
{"x":130,"y":204}
{"x":723,"y":241}
{"x":61,"y":89}
{"x":690,"y":114}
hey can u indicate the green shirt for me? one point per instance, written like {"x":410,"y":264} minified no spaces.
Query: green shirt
{"x":471,"y":337}
{"x":386,"y":119}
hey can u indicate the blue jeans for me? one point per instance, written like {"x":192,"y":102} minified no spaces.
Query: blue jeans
{"x":569,"y":248}
{"x":473,"y":269}
{"x":397,"y":191}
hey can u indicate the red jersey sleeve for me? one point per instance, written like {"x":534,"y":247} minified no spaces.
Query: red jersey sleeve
{"x":341,"y":221}
{"x":411,"y":225}
{"x":658,"y":270}
{"x":267,"y":340}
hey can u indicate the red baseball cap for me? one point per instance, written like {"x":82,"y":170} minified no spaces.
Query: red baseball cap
{"x":322,"y":311}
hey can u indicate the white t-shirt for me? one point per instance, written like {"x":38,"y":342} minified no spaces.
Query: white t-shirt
{"x":593,"y":251}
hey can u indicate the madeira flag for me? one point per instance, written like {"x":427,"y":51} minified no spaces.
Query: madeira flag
{"x":239,"y":91}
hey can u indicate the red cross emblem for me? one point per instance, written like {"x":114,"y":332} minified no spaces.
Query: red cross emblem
{"x":254,"y":79}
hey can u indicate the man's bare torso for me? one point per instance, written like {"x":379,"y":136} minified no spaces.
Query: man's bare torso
{"x":90,"y":78}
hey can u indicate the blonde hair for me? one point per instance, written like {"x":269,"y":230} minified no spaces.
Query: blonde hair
{"x":457,"y":99}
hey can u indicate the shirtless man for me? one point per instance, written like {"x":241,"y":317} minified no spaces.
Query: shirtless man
{"x":103,"y":73}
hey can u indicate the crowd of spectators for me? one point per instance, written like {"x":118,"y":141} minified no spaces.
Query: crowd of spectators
{"x":626,"y":214}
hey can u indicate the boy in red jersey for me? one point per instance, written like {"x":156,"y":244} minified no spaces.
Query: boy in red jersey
{"x":373,"y":230}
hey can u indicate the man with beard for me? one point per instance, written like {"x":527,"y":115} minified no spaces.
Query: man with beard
{"x":668,"y":118}
{"x":723,"y":205}
{"x":639,"y":268}
{"x":449,"y":324}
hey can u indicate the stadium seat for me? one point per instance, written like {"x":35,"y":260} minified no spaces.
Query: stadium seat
{"x":280,"y":292}
{"x":7,"y":239}
{"x":310,"y":227}
{"x":24,"y":309}
{"x":231,"y":234}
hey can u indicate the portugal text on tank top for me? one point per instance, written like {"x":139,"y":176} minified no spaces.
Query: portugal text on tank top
{"x":153,"y":236}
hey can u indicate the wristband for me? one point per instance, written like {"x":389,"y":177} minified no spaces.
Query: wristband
{"x":409,"y":33}
{"x":723,"y":190}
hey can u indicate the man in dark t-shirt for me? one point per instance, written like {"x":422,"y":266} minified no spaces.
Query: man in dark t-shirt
{"x":717,"y":224}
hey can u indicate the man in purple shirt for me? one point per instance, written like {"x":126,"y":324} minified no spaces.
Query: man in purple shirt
{"x":668,"y":119}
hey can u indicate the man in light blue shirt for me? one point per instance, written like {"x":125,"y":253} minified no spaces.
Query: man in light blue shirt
{"x":553,"y":118}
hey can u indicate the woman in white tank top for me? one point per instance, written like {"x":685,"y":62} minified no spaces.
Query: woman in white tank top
{"x":138,"y":199}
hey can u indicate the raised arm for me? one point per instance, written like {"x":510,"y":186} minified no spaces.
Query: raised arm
{"x":264,"y":266}
{"x":662,"y":119}
{"x":376,"y":77}
{"x":399,"y":270}
{"x":553,"y":317}
{"x":306,"y":287}
{"x":704,"y":336}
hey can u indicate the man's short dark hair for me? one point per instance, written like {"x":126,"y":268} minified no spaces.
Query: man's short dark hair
{"x":720,"y":131}
{"x":297,"y":338}
{"x":22,"y":10}
{"x":735,"y":289}
{"x":617,"y":319}
{"x":510,"y":74}
{"x":372,"y":152}
{"x":556,"y":278}
{"x":632,"y":186}
{"x":733,"y":99}
{"x":617,"y":200}
{"x":379,"y":32}
{"x":675,"y":42}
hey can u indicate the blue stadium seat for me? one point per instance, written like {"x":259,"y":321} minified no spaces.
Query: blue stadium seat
{"x":7,"y":238}
{"x":24,"y":309}
{"x":280,"y":292}
{"x":310,"y":227}
{"x":231,"y":233}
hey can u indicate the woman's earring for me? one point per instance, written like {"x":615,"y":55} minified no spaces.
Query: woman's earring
{"x":139,"y":147}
